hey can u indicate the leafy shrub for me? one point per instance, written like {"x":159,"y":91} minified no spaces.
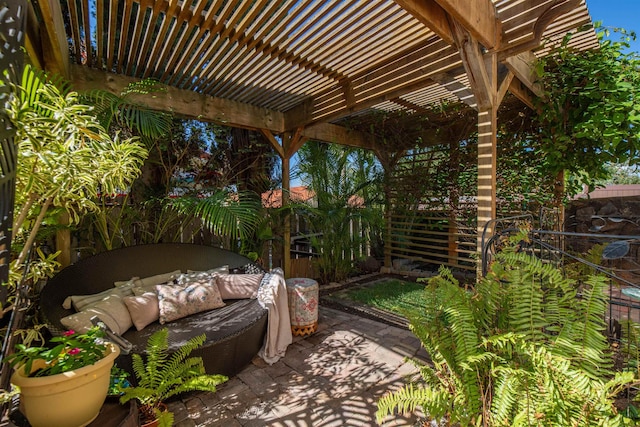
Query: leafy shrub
{"x":526,"y":346}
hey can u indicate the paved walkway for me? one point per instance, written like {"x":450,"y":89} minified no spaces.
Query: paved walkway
{"x":331,"y":378}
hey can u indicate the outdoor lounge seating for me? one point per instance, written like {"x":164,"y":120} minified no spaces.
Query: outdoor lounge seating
{"x":235,"y":332}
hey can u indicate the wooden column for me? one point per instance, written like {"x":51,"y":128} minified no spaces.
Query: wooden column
{"x":454,"y":200}
{"x":291,"y":142}
{"x":286,"y":236}
{"x":487,"y":153}
{"x":482,"y":70}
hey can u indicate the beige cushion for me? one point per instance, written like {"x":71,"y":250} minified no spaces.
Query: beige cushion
{"x":143,"y":309}
{"x":223,"y":269}
{"x":80,"y":302}
{"x":200,"y":276}
{"x":175,"y":301}
{"x":111,"y":310}
{"x":236,"y":286}
{"x":125,"y":282}
{"x":151,"y":281}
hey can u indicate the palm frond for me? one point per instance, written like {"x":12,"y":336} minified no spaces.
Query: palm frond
{"x":224,"y":213}
{"x":34,"y":81}
{"x":124,"y":110}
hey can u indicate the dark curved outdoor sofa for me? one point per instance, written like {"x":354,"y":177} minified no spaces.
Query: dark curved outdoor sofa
{"x":235,"y":333}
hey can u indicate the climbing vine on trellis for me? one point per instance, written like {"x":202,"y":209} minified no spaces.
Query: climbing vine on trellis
{"x":590,"y":114}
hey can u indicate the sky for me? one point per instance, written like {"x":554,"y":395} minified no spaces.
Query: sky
{"x":617,"y":13}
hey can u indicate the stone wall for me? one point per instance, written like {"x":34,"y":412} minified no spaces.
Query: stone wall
{"x":607,"y":217}
{"x":620,"y":215}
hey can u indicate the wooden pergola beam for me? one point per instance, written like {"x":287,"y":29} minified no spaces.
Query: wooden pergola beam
{"x":273,"y":141}
{"x":478,"y":17}
{"x":402,"y":75}
{"x":184,"y":102}
{"x":331,"y":133}
{"x":474,"y":63}
{"x":430,"y":14}
{"x":555,"y":10}
{"x":520,"y":91}
{"x":522,"y":66}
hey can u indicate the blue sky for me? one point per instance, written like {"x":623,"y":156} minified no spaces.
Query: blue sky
{"x":617,"y":13}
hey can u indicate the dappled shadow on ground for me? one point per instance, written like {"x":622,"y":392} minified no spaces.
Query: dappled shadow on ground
{"x":332,"y":378}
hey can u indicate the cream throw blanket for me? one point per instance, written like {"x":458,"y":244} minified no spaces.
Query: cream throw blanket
{"x":272,"y":295}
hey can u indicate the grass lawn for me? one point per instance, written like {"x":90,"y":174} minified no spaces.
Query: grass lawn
{"x":393,"y":295}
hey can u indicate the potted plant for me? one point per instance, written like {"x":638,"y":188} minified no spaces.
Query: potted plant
{"x":163,"y":375}
{"x":64,"y":385}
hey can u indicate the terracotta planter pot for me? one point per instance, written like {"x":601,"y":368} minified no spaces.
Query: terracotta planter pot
{"x":145,"y":415}
{"x":71,"y":399}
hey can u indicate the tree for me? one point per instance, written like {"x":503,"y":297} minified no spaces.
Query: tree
{"x":590,"y":113}
{"x":621,"y":174}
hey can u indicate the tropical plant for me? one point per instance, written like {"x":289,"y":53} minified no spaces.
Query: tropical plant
{"x":525,"y":346}
{"x":224,"y":212}
{"x":163,"y":375}
{"x":343,"y":182}
{"x":122,"y":111}
{"x":65,"y":158}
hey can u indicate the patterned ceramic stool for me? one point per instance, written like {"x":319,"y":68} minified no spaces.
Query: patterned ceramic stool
{"x":303,"y":305}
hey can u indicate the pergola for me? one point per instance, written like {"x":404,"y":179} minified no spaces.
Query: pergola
{"x":293,"y":69}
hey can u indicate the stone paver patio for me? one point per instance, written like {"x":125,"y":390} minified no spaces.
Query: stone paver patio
{"x":331,"y":378}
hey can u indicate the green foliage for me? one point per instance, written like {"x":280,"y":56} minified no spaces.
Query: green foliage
{"x":71,"y":351}
{"x":590,"y":114}
{"x":345,"y":183}
{"x":124,"y":112}
{"x":65,"y":158}
{"x":526,"y":346}
{"x":225,"y":213}
{"x":163,"y":375}
{"x":621,"y":174}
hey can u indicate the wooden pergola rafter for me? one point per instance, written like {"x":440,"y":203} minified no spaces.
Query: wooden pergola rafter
{"x":293,"y":69}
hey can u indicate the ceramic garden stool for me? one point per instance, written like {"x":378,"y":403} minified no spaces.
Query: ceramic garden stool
{"x":303,"y":305}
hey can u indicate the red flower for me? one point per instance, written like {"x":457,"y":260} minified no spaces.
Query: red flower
{"x":74,"y":351}
{"x":69,"y":333}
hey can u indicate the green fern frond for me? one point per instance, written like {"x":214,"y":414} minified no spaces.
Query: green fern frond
{"x":435,"y":403}
{"x":200,"y":383}
{"x":163,"y":375}
{"x":525,"y":347}
{"x":582,"y":339}
{"x":508,"y":390}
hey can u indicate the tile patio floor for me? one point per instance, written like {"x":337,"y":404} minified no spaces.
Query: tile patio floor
{"x":331,"y":378}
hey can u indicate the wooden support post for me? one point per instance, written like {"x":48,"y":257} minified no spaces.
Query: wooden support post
{"x":487,"y":153}
{"x":388,"y":166}
{"x":483,"y":77}
{"x":286,"y":188}
{"x":454,"y":200}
